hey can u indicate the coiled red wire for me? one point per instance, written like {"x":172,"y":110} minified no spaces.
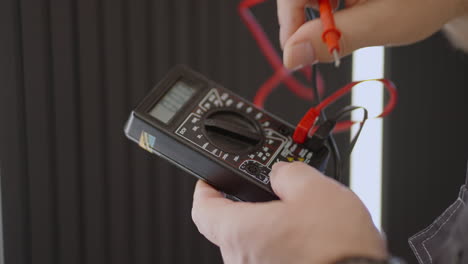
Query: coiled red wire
{"x":282,"y":75}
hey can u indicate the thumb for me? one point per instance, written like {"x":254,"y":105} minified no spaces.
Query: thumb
{"x":370,"y":23}
{"x":292,"y":180}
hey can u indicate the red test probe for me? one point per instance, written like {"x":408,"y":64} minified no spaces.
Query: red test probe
{"x":331,"y":35}
{"x":281,"y":75}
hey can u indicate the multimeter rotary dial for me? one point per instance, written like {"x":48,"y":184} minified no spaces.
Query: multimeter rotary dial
{"x":217,"y":136}
{"x":232,"y":131}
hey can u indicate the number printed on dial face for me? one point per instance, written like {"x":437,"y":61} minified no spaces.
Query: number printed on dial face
{"x":237,"y":133}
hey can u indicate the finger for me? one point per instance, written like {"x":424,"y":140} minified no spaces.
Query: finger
{"x":205,"y":202}
{"x":359,"y":26}
{"x":215,"y":215}
{"x":204,"y":190}
{"x":290,"y":17}
{"x":292,"y":180}
{"x":288,"y":180}
{"x":314,"y":4}
{"x":370,"y":23}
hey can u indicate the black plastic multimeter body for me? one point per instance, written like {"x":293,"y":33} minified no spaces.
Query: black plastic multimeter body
{"x":216,"y":135}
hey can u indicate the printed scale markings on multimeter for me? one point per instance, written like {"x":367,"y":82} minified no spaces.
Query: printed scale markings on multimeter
{"x":223,"y":139}
{"x":263,"y":157}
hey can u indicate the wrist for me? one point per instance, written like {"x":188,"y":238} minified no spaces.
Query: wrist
{"x":374,"y":249}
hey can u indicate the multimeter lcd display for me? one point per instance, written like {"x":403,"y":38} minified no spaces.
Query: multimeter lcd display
{"x":172,"y":101}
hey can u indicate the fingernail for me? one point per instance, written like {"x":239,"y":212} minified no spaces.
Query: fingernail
{"x":277,"y":166}
{"x":299,"y":54}
{"x":297,"y":68}
{"x":283,"y":36}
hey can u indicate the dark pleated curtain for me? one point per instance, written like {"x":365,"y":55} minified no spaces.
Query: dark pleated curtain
{"x":426,"y":143}
{"x":74,"y":189}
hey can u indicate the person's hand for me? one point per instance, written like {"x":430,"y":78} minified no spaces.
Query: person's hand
{"x":362,"y":23}
{"x":316,"y":221}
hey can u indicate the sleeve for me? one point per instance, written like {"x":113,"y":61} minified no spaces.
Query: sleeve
{"x":456,"y":32}
{"x":455,"y":249}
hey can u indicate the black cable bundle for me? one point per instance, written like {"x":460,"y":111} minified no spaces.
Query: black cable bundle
{"x":324,"y":133}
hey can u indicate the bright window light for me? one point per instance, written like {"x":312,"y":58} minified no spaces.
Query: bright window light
{"x":366,"y":159}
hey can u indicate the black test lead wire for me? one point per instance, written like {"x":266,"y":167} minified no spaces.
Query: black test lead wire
{"x":310,"y":15}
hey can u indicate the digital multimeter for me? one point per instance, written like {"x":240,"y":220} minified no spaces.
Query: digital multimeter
{"x":216,"y":135}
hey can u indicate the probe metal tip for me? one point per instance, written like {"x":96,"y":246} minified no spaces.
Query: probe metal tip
{"x":337,"y":58}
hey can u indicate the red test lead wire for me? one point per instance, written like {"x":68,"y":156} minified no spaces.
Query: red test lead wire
{"x":281,"y":75}
{"x":309,"y":119}
{"x":331,"y":35}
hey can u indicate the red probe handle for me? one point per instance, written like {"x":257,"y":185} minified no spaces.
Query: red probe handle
{"x":306,"y":123}
{"x":331,"y":35}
